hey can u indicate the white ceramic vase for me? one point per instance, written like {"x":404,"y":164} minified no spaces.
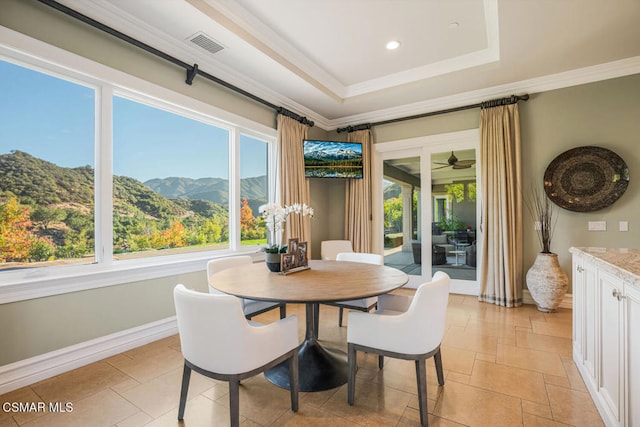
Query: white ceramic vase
{"x":547,"y":282}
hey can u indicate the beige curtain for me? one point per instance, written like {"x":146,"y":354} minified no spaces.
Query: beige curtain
{"x":293,"y":186}
{"x":501,"y":220}
{"x":357,"y":227}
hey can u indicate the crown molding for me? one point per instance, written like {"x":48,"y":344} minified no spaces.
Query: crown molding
{"x":248,"y":28}
{"x":606,"y":71}
{"x":113,"y":16}
{"x":451,"y":65}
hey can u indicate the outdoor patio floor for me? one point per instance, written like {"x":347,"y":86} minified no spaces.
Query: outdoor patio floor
{"x":403,"y":260}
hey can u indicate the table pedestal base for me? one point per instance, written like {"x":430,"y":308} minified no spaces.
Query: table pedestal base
{"x":319,"y":368}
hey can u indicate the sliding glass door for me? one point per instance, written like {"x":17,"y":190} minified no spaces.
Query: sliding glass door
{"x":454,"y":213}
{"x":426,"y":197}
{"x":402,"y":200}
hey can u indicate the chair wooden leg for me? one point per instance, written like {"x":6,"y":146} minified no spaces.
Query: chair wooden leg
{"x":380,"y":362}
{"x":340,"y":314}
{"x":234,"y":402}
{"x":351,"y":378}
{"x":421,"y":377}
{"x":186,"y":376}
{"x":283,"y":311}
{"x":437,"y":358}
{"x":293,"y":380}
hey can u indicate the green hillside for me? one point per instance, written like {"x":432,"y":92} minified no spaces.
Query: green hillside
{"x":35,"y":181}
{"x":59,"y":203}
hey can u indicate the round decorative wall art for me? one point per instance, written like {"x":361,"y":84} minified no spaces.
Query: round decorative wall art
{"x":585,"y":179}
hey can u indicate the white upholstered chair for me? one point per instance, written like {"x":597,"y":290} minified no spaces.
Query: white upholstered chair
{"x":250,"y":307}
{"x":403,"y":328}
{"x":362,"y":304}
{"x":329,"y":249}
{"x":217,"y":341}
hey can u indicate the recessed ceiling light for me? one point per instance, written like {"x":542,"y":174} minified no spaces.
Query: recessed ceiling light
{"x":454,"y":24}
{"x":393,"y":44}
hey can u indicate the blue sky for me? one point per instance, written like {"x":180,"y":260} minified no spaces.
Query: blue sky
{"x":53,"y":119}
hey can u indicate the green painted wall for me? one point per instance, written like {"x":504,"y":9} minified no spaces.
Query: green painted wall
{"x":604,"y":114}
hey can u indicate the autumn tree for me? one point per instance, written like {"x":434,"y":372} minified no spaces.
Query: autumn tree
{"x":17,"y":242}
{"x":15,"y":237}
{"x":247,"y":221}
{"x":174,"y":236}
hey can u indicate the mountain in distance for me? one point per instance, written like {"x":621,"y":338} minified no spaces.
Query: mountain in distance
{"x":328,"y":151}
{"x":212,"y":189}
{"x":215,"y":190}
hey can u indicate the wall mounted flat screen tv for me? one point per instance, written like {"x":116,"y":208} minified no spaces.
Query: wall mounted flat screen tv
{"x":332,"y":159}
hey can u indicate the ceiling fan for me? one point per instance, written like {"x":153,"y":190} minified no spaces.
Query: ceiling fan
{"x":454,"y":163}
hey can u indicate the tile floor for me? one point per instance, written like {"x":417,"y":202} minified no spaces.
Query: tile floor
{"x":506,"y":367}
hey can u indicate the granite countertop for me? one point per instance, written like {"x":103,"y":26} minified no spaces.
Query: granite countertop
{"x":622,"y":262}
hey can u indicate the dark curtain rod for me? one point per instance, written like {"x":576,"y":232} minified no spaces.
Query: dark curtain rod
{"x":486,"y":104}
{"x":192,"y":70}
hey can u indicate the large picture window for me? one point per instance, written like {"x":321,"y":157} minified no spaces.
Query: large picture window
{"x":170,"y":183}
{"x":182,"y":182}
{"x":47,"y":140}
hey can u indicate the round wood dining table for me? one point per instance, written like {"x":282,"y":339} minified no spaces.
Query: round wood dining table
{"x":320,"y":368}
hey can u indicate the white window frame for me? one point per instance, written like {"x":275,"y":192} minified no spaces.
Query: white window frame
{"x":45,"y":281}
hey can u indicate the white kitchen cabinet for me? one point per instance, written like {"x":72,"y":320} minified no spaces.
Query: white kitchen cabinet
{"x":606,"y":330}
{"x":632,"y":361}
{"x":584,"y":317}
{"x":611,"y":363}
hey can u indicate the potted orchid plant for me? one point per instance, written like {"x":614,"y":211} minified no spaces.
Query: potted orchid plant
{"x":275,"y":216}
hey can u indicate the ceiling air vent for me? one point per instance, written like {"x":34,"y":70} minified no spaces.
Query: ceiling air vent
{"x":205,"y":42}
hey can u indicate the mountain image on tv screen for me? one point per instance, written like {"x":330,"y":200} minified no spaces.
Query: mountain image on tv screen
{"x":332,"y":159}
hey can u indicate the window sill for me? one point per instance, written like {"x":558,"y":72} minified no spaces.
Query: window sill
{"x":48,"y":281}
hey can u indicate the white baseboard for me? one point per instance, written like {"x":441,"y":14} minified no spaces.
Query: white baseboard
{"x":29,"y":371}
{"x":567,"y":301}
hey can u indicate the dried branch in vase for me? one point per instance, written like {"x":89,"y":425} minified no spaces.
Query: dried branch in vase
{"x":543,"y":213}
